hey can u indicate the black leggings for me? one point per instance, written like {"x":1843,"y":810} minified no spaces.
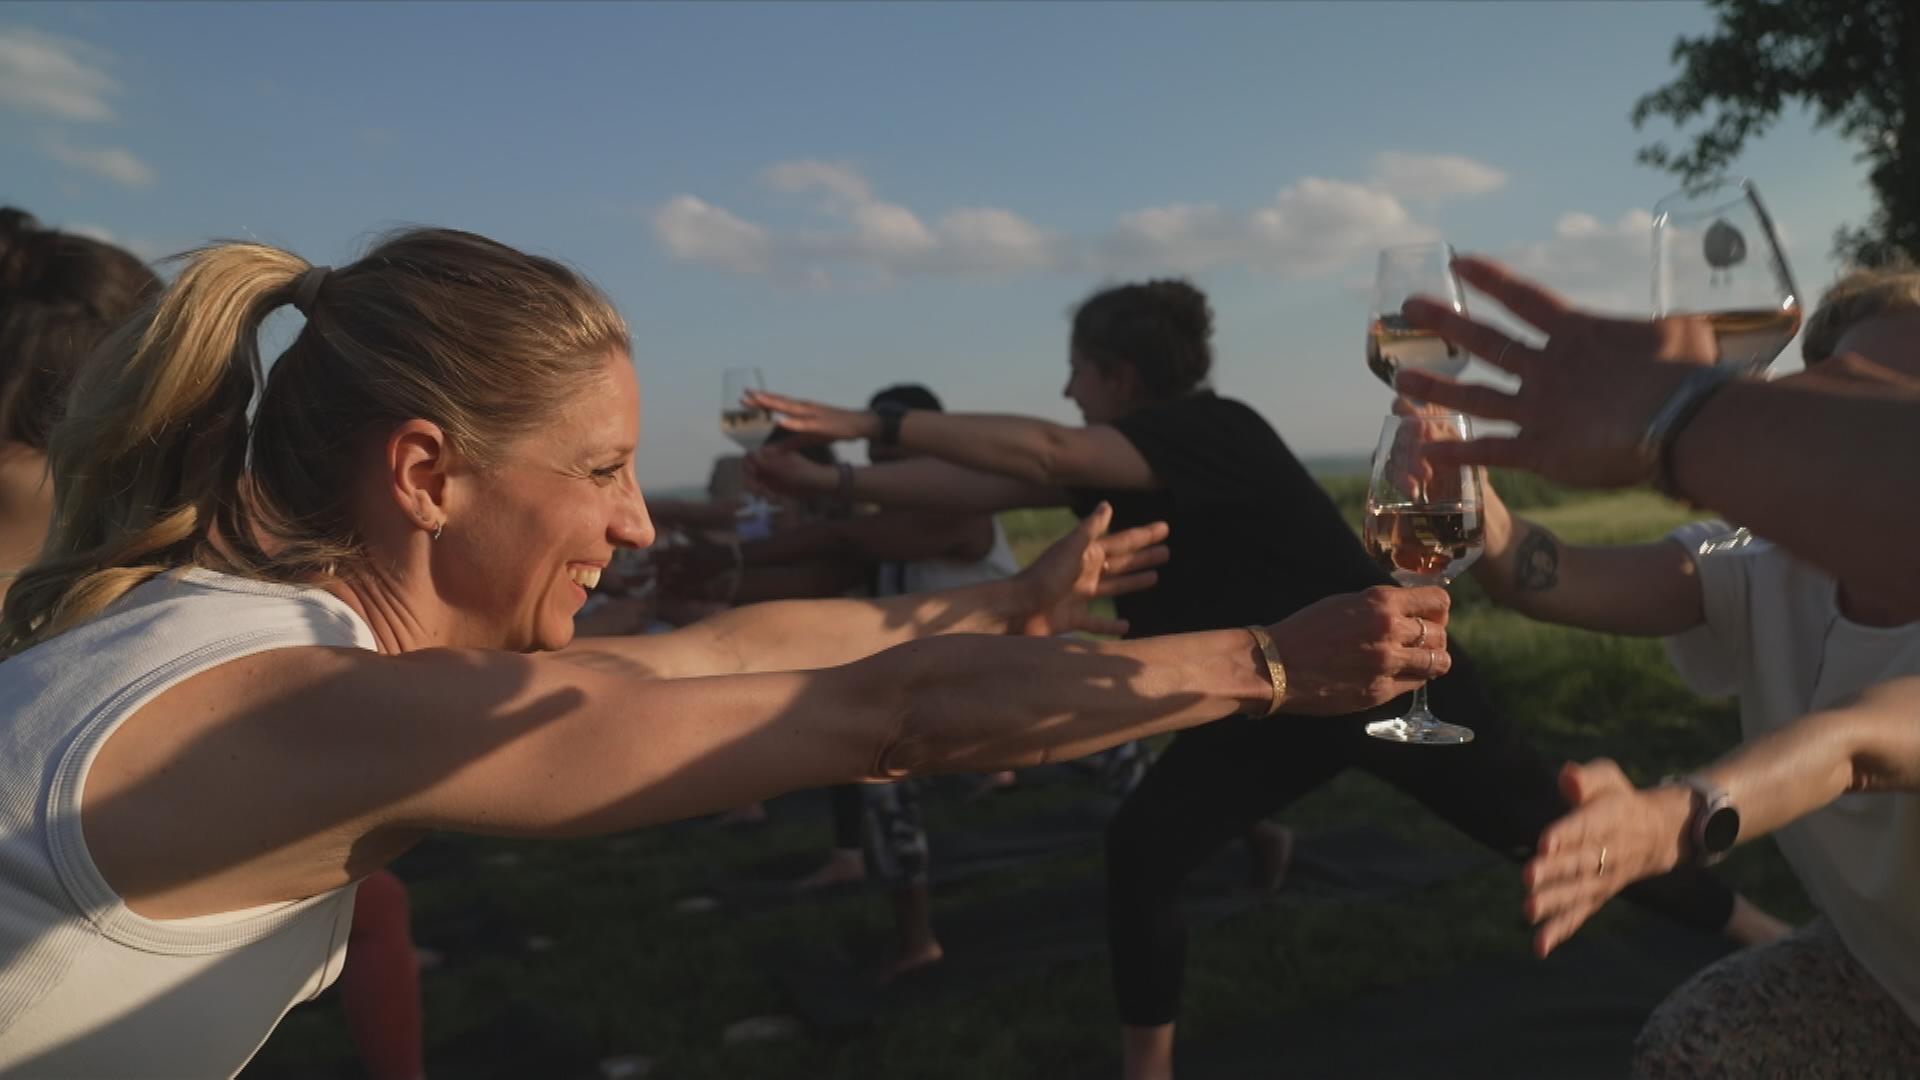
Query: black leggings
{"x":1217,"y":780}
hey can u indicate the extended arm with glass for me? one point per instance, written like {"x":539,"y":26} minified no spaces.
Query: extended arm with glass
{"x":387,"y":747}
{"x":1807,"y":461}
{"x":1617,"y":834}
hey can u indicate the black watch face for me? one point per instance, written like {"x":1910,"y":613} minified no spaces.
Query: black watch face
{"x":1722,"y":829}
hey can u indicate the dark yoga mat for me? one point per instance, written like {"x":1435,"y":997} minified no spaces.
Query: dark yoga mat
{"x":1569,"y":1017}
{"x":831,"y":985}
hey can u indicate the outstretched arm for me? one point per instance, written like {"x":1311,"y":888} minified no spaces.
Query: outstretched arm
{"x":1033,"y":451}
{"x":1871,"y":743}
{"x":1645,"y":589}
{"x":350,"y":756}
{"x":1050,"y":596}
{"x":1807,"y":461}
{"x":920,"y":484}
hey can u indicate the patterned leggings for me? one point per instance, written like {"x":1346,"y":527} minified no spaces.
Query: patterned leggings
{"x":1801,"y":1007}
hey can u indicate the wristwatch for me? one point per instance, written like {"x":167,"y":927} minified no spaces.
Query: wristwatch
{"x":1713,"y":826}
{"x":889,"y":413}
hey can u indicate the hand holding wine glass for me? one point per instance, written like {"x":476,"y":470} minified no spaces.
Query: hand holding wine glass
{"x":1424,"y":527}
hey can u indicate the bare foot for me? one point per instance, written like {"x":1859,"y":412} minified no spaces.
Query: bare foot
{"x":1272,"y":848}
{"x":915,"y":957}
{"x":750,"y":814}
{"x":840,"y":868}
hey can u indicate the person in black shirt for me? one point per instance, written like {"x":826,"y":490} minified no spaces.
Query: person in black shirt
{"x":1253,"y":537}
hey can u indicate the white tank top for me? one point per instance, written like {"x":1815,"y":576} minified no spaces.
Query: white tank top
{"x":87,"y":987}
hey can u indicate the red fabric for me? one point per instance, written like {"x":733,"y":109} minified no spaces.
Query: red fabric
{"x":380,"y":986}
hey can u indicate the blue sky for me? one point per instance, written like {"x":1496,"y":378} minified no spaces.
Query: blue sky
{"x":852,"y":195}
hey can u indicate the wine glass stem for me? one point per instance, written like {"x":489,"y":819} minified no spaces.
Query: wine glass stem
{"x":1420,"y":703}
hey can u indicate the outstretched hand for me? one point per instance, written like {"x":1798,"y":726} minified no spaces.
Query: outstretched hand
{"x":1614,"y":836}
{"x":1060,"y":586}
{"x":1585,"y":397}
{"x":814,"y":422}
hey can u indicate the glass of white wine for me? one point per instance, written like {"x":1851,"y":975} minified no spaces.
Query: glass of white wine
{"x":1716,"y":253}
{"x":745,"y":425}
{"x":1393,"y":345}
{"x":1424,"y":526}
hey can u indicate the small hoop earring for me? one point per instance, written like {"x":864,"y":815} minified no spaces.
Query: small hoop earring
{"x":437,"y":530}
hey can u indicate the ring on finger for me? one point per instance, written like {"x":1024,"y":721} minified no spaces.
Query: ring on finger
{"x":1422,"y":639}
{"x":1430,"y":662}
{"x":1601,"y":867}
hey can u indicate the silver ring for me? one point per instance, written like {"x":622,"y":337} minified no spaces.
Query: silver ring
{"x":1602,"y":867}
{"x":1422,"y":639}
{"x":1430,"y":661}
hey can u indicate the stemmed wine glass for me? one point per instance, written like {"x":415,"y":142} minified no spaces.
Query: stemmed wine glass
{"x":1716,"y":253}
{"x":1424,"y":526}
{"x":744,"y":424}
{"x":1405,"y":272}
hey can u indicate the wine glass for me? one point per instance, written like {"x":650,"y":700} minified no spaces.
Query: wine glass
{"x":745,"y":425}
{"x":1423,"y":526}
{"x":1715,"y":253}
{"x":1392,"y":344}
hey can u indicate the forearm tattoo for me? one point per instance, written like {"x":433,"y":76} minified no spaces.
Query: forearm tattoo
{"x":1536,"y":563}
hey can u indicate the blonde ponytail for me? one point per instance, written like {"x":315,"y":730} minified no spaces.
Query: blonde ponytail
{"x":154,"y":440}
{"x":155,"y":466}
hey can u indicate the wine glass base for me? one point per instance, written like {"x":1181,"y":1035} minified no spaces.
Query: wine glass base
{"x":1409,"y":729}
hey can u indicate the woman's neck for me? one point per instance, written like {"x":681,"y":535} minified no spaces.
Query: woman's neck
{"x":26,"y":504}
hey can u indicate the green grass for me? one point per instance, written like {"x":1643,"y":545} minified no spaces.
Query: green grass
{"x":627,"y":973}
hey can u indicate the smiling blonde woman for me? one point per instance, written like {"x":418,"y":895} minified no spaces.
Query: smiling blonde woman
{"x":258,"y":658}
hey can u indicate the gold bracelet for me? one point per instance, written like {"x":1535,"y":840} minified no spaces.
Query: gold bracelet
{"x":1276,"y":671}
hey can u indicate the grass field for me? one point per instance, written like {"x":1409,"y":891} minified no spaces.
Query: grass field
{"x":576,"y":950}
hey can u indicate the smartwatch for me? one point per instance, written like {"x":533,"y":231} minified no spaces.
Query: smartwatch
{"x":1714,"y":825}
{"x":889,"y":413}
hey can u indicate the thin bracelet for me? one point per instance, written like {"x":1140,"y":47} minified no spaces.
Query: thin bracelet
{"x":1673,"y":416}
{"x":1276,"y":671}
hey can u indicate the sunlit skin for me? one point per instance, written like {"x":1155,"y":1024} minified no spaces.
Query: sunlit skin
{"x":561,"y":500}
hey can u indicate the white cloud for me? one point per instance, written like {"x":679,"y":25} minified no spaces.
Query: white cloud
{"x":841,"y":181}
{"x":1310,"y":228}
{"x":54,"y":76}
{"x":1595,"y":263}
{"x":66,"y":80}
{"x":986,"y":239}
{"x":1433,"y":177}
{"x":703,"y":233}
{"x":875,"y":239}
{"x":115,"y":163}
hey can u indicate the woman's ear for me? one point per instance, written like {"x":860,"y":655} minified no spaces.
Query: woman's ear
{"x":418,"y":459}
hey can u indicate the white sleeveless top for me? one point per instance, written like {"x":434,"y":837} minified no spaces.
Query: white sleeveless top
{"x":929,"y":575}
{"x":87,"y":987}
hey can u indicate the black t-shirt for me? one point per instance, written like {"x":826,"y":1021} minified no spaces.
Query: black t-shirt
{"x":1253,"y":539}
